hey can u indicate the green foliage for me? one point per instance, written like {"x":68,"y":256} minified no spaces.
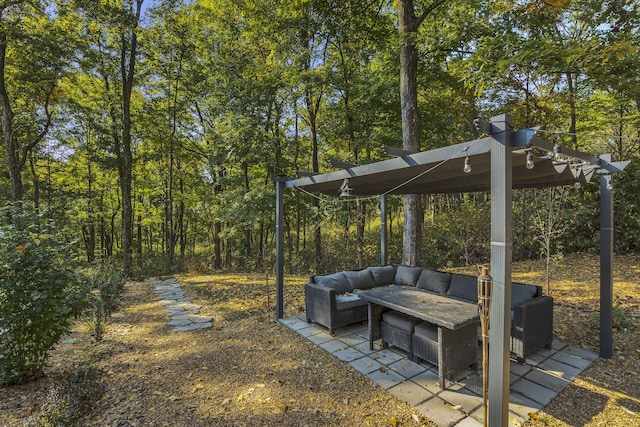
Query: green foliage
{"x":626,"y":188}
{"x":457,"y":234}
{"x":107,"y":283}
{"x":40,"y":294}
{"x":228,"y":94}
{"x":623,"y":318}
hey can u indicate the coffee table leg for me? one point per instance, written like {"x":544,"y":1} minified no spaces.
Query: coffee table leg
{"x":375,"y":317}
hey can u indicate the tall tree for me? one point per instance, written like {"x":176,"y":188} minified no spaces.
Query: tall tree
{"x":31,"y":64}
{"x":128,"y":56}
{"x":409,"y":21}
{"x":112,"y":53}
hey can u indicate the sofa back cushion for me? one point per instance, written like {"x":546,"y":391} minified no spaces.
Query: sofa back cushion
{"x":337,"y":281}
{"x":384,"y":275}
{"x":360,"y":279}
{"x":406,"y":276}
{"x":464,"y":287}
{"x":434,"y":281}
{"x":520,"y":293}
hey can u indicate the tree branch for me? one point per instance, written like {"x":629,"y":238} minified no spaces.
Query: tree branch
{"x":428,"y":11}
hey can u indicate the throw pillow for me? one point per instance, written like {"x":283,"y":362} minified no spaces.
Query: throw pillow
{"x":360,"y":279}
{"x":407,"y":276}
{"x":464,"y":287}
{"x":520,"y":293}
{"x":434,"y":281}
{"x":337,"y":281}
{"x":383,"y":275}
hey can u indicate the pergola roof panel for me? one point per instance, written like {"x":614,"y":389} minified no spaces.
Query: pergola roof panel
{"x":441,"y":171}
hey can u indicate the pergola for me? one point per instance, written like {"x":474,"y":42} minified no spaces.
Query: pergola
{"x":498,"y":163}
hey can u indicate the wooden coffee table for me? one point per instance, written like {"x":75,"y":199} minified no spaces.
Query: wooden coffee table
{"x":457,"y":322}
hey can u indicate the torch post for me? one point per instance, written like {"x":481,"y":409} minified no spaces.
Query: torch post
{"x":485,"y":283}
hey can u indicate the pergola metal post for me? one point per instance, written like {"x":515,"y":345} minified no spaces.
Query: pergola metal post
{"x":383,"y":230}
{"x":606,"y":261}
{"x":280,"y":181}
{"x":501,"y":258}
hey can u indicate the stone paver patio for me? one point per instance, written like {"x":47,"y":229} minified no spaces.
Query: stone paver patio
{"x":544,"y":374}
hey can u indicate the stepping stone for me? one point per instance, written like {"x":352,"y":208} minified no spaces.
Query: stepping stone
{"x":184,"y":315}
{"x":179,"y":322}
{"x":200,"y":319}
{"x":193,"y":327}
{"x":174,"y":313}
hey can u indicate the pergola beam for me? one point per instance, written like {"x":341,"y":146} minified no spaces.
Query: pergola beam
{"x":470,"y":148}
{"x":337,"y":164}
{"x":397,"y":152}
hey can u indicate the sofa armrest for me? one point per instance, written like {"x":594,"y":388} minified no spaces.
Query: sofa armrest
{"x":320,"y":303}
{"x":532,"y":326}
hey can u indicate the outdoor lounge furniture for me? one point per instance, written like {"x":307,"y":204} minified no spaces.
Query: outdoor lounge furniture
{"x":332,"y":300}
{"x":396,"y":329}
{"x":438,"y":329}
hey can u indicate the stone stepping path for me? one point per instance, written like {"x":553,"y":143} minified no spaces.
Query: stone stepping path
{"x":183,"y":314}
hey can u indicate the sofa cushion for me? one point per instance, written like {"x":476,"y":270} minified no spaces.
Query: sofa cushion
{"x":406,"y":276}
{"x":383,"y":275}
{"x":345,"y":302}
{"x":337,"y":281}
{"x":399,"y":320}
{"x":463,"y":287}
{"x":360,"y":279}
{"x":434,"y":281}
{"x":520,"y":293}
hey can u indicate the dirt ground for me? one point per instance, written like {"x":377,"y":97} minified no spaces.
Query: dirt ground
{"x":249,"y":371}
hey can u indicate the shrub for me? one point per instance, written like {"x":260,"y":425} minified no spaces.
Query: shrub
{"x":622,"y":318}
{"x":70,"y":397}
{"x":107,"y":283}
{"x":40,"y":293}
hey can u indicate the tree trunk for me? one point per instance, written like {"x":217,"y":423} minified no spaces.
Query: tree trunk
{"x":7,"y":128}
{"x":139,"y":226}
{"x":317,"y":233}
{"x":89,"y":231}
{"x":360,"y":223}
{"x":217,"y":226}
{"x":408,"y":27}
{"x":408,"y":24}
{"x":36,"y":182}
{"x":572,"y":111}
{"x":127,"y":68}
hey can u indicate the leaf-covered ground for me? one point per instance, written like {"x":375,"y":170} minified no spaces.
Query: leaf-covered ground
{"x":247,"y":370}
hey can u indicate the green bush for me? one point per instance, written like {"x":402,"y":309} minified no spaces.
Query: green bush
{"x":107,"y":283}
{"x":40,"y":293}
{"x":622,"y":317}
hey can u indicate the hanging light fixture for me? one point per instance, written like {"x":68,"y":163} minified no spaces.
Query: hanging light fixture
{"x":610,"y":182}
{"x":345,"y":189}
{"x":467,"y":165}
{"x":557,"y":152}
{"x":530,"y":163}
{"x":577,"y":184}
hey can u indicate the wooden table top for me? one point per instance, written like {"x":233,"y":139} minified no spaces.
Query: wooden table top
{"x":439,"y":310}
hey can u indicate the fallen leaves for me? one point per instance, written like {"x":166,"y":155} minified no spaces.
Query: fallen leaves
{"x":195,"y":379}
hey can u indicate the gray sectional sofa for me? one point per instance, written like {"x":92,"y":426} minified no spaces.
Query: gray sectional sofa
{"x":332,"y":300}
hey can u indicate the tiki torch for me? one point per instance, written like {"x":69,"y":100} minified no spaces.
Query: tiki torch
{"x":484,"y":308}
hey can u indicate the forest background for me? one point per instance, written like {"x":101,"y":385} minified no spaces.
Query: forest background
{"x":150,"y":131}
